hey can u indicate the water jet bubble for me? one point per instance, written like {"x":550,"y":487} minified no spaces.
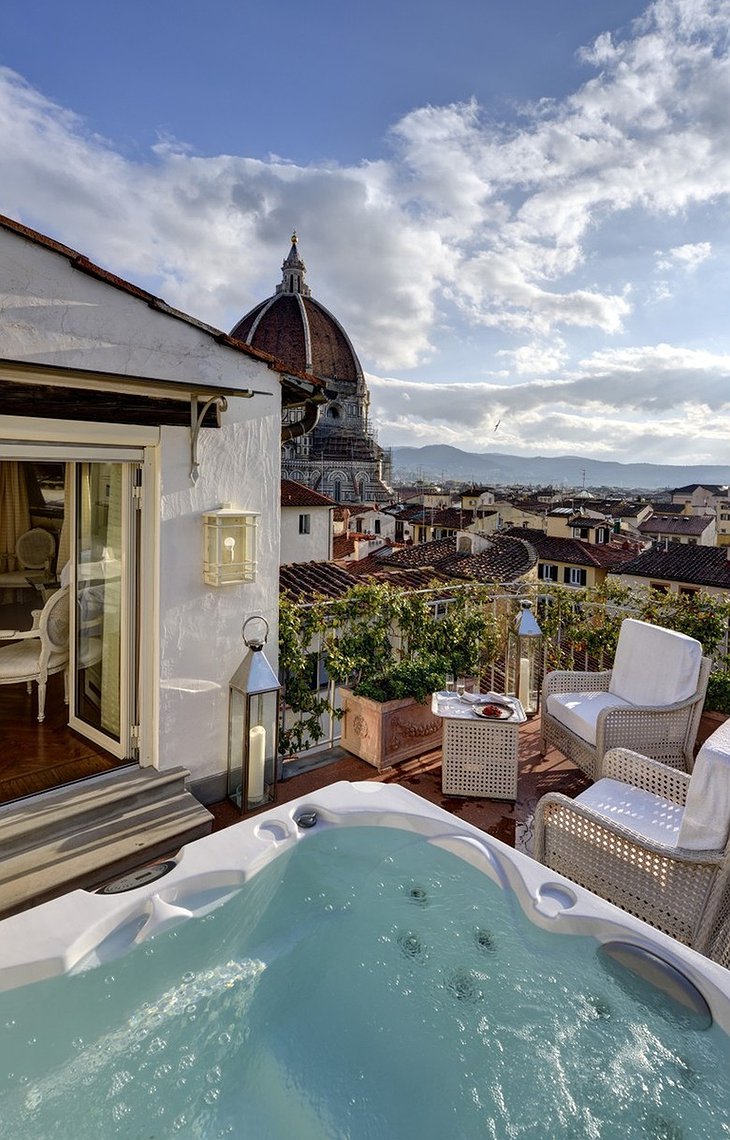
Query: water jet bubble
{"x":109,"y":979}
{"x":224,"y":1038}
{"x":463,"y":985}
{"x":212,"y":1096}
{"x":485,"y":939}
{"x":599,"y":1007}
{"x":659,"y":1127}
{"x":410,"y":944}
{"x":686,"y":1074}
{"x":77,"y":1042}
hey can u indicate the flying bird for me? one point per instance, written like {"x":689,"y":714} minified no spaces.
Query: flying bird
{"x":497,"y":424}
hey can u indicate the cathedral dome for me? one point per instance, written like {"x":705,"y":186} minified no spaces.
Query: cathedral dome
{"x":298,"y":330}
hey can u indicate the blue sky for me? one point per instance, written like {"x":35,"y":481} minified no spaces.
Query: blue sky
{"x":518,"y":208}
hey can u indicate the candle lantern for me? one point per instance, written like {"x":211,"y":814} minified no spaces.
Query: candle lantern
{"x":229,"y":546}
{"x":253,"y":725}
{"x":526,"y":654}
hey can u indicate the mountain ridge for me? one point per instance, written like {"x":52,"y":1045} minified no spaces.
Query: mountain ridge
{"x":444,"y":462}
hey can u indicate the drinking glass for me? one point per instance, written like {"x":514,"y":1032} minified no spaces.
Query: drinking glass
{"x":449,"y":682}
{"x":460,"y":687}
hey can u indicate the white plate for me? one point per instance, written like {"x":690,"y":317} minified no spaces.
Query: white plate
{"x":501,"y":714}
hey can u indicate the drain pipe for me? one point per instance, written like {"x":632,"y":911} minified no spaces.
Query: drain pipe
{"x":303,"y":426}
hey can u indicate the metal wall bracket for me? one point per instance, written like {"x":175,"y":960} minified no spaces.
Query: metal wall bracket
{"x":197,"y":415}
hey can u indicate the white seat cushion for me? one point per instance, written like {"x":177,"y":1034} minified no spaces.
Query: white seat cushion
{"x":579,"y":711}
{"x":706,"y":819}
{"x":19,"y":659}
{"x":653,"y":665}
{"x":650,"y":816}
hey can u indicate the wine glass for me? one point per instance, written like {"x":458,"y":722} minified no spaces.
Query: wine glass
{"x":449,"y":683}
{"x":460,"y":686}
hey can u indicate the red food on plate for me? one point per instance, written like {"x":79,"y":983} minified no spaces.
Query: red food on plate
{"x":493,"y":710}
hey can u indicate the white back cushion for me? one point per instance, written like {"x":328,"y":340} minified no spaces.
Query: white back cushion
{"x":653,"y":665}
{"x":706,"y":820}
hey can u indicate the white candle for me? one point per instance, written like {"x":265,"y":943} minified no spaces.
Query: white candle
{"x":523,"y":691}
{"x":256,"y":762}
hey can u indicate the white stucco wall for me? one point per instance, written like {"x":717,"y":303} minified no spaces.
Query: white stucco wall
{"x":313,"y":547}
{"x":52,"y":313}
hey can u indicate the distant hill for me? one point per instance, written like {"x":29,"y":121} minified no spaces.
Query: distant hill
{"x":441,"y":462}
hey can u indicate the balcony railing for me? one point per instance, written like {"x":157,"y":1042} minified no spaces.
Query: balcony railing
{"x":580,"y":628}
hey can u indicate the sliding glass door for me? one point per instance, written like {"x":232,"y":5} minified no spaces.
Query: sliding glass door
{"x":105,"y":615}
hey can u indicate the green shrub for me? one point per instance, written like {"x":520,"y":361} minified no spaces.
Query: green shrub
{"x":718,"y":693}
{"x":412,"y":678}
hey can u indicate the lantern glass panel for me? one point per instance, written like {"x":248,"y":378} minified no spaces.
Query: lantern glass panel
{"x":229,"y":553}
{"x":252,"y":748}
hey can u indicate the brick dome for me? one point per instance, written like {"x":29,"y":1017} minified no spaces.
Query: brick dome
{"x":298,"y":330}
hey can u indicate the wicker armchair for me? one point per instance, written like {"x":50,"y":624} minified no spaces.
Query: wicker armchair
{"x":38,"y":652}
{"x":651,"y":701}
{"x":619,"y":839}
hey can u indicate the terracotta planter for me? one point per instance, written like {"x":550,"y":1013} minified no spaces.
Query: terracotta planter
{"x":388,"y":733}
{"x":709,"y":721}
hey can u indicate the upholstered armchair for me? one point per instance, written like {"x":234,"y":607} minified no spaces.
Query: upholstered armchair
{"x":34,"y":654}
{"x":651,"y":839}
{"x":651,"y":701}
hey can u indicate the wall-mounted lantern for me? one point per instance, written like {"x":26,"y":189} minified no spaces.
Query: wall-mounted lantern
{"x":526,"y":653}
{"x":229,"y":546}
{"x":253,"y":725}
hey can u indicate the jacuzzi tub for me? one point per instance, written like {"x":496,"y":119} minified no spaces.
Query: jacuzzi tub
{"x":344,"y":966}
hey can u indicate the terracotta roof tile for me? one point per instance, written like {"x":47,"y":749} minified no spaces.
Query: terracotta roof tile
{"x":343,"y":545}
{"x":309,"y":581}
{"x":297,"y":495}
{"x":506,"y":559}
{"x":571,"y":550}
{"x":682,"y":562}
{"x":677,"y":525}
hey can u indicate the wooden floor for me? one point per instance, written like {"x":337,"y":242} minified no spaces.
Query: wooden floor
{"x":35,"y":757}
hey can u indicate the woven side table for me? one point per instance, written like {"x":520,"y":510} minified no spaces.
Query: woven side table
{"x":479,"y":756}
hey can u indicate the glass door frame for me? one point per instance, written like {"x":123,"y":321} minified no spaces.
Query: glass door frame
{"x":126,"y":747}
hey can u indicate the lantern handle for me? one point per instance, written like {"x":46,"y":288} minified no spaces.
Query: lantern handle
{"x":255,"y":617}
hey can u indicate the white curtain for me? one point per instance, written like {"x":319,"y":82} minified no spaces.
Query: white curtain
{"x":64,"y":540}
{"x":14,"y":516}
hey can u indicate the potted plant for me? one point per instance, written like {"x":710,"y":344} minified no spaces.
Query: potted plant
{"x":387,"y":718}
{"x":390,"y":655}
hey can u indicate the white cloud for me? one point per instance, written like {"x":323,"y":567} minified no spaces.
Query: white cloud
{"x":647,"y":403}
{"x":687,"y":256}
{"x":536,"y":358}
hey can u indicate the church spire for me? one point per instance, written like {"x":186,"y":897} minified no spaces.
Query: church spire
{"x":293,"y":270}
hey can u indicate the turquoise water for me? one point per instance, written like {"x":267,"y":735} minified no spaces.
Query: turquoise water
{"x":365,"y":986}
